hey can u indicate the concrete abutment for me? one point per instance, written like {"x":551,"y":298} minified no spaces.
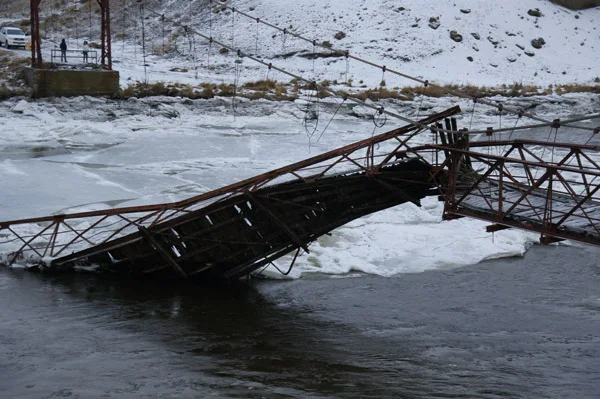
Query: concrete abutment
{"x":63,"y":82}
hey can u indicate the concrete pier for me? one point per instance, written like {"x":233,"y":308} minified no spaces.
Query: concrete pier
{"x":68,"y":82}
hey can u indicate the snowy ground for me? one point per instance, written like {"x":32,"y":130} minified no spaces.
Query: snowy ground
{"x":73,"y":154}
{"x":497,"y":35}
{"x":382,"y":31}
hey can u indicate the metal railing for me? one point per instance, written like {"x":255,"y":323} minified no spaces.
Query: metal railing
{"x":73,"y":56}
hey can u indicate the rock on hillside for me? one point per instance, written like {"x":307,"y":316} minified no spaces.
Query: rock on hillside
{"x":398,"y":34}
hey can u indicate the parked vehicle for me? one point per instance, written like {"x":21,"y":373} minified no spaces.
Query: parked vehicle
{"x":12,"y":37}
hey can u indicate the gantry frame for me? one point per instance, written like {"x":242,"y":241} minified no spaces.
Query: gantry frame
{"x":105,"y":35}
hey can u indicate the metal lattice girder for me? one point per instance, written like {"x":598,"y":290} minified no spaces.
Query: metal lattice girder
{"x":552,"y":189}
{"x":557,"y":196}
{"x":357,"y":177}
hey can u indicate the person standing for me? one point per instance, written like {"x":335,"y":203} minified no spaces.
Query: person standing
{"x":63,"y":51}
{"x":86,"y":49}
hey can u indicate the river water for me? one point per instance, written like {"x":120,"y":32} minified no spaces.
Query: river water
{"x":520,"y":327}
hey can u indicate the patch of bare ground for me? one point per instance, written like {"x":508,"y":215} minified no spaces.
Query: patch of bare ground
{"x":12,"y":76}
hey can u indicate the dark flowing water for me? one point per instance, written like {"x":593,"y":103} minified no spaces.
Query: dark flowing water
{"x":523,"y":328}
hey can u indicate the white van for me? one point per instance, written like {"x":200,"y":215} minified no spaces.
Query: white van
{"x":12,"y":37}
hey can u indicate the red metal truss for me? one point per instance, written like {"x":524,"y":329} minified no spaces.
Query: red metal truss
{"x":549,"y":188}
{"x":544,"y":187}
{"x":46,"y":238}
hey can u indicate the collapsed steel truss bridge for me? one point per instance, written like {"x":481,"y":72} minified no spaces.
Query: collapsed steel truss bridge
{"x":548,"y":188}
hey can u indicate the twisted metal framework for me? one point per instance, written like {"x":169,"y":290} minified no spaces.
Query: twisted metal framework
{"x":353,"y":171}
{"x":548,"y":188}
{"x":223,"y":233}
{"x":556,"y":197}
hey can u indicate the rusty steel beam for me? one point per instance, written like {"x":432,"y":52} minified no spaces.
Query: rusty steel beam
{"x":543,"y":165}
{"x":496,"y":227}
{"x":526,"y":225}
{"x":105,"y":40}
{"x":547,"y":240}
{"x":499,"y":143}
{"x":36,"y":52}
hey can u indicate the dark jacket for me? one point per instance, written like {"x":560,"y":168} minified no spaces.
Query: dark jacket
{"x":63,"y":46}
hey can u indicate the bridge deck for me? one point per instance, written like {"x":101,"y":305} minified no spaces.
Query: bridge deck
{"x":234,"y":237}
{"x":534,"y":210}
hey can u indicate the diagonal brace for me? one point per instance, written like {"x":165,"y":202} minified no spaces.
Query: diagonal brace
{"x":159,"y":248}
{"x":278,"y":221}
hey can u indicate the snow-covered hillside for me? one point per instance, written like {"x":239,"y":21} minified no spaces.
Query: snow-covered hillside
{"x":496,"y":46}
{"x":412,"y":36}
{"x":400,"y":34}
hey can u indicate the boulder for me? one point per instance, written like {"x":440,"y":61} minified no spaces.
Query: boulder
{"x":538,"y":43}
{"x":457,"y":37}
{"x":434,"y":22}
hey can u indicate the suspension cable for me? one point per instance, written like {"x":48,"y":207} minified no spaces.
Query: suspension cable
{"x":341,"y":94}
{"x":331,"y":119}
{"x":398,"y":73}
{"x":516,"y":123}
